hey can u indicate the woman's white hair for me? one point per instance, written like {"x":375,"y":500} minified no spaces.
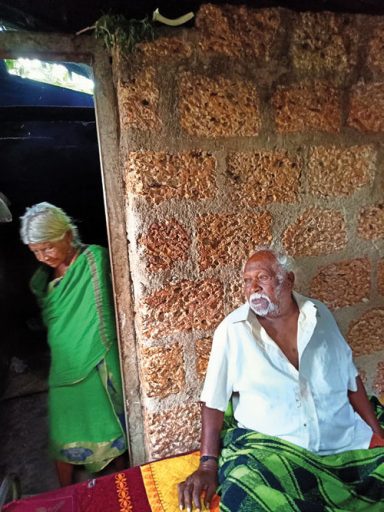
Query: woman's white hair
{"x":44,"y":222}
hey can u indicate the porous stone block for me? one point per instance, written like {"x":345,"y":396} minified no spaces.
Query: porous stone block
{"x":215,"y":32}
{"x":316,"y":232}
{"x":164,"y":244}
{"x":139,"y":101}
{"x":203,"y":350}
{"x":164,"y":47}
{"x":366,"y":335}
{"x":238,"y":31}
{"x":380,"y":277}
{"x":159,"y":176}
{"x":234,"y":292}
{"x":183,"y":306}
{"x":343,"y":283}
{"x":162,"y":370}
{"x":323,"y":42}
{"x":375,"y":57}
{"x":174,"y":431}
{"x":227,"y":239}
{"x":334,"y":171}
{"x":371,"y":222}
{"x":307,"y":107}
{"x":366,"y":112}
{"x":259,"y":178}
{"x":219,"y":107}
{"x":378,"y":384}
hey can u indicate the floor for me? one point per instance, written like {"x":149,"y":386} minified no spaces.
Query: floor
{"x":24,"y":430}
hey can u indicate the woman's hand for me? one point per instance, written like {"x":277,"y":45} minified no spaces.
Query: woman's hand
{"x":203,"y":480}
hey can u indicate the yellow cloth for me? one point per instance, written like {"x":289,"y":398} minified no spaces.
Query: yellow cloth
{"x":161,"y":478}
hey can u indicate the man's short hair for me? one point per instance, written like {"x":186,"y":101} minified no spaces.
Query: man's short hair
{"x":286,"y":262}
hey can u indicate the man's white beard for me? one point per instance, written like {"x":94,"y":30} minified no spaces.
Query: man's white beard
{"x":263,"y":310}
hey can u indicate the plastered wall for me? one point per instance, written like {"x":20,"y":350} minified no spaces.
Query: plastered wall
{"x":253,"y":126}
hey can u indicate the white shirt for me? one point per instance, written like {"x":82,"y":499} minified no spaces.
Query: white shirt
{"x":308,"y":407}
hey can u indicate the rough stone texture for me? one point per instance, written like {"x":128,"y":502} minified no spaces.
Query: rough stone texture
{"x":378,"y":384}
{"x":234,"y":293}
{"x":307,"y":107}
{"x":161,"y":380}
{"x":334,"y":171}
{"x":316,"y":232}
{"x":342,"y":284}
{"x":366,"y":335}
{"x":371,"y":222}
{"x":256,"y":179}
{"x":322,"y":42}
{"x":171,"y":47}
{"x":236,"y":31}
{"x":165,"y":243}
{"x":181,"y":307}
{"x":375,"y":57}
{"x":203,"y":349}
{"x":264,"y":125}
{"x":367,"y":107}
{"x":159,"y":176}
{"x":380,"y":277}
{"x":174,"y":430}
{"x":225,"y":239}
{"x":218,"y":107}
{"x":139,"y":101}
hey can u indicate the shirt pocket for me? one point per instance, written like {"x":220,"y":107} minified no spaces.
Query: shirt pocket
{"x":327,"y":369}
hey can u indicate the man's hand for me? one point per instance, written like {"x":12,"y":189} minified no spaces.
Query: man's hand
{"x":202,"y":480}
{"x":379,"y":432}
{"x":361,"y":404}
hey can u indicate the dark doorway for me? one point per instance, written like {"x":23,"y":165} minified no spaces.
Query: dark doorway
{"x":48,"y":152}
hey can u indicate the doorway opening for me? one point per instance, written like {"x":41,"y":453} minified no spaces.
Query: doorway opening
{"x":50,"y":152}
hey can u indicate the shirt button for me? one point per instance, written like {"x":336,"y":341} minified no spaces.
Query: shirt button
{"x":305,"y":424}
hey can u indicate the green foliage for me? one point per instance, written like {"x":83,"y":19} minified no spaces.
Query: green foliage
{"x":115,"y":29}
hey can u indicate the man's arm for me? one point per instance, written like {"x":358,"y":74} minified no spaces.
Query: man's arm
{"x":205,"y":477}
{"x":363,"y":406}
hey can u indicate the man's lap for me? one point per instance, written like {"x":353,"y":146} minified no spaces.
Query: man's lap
{"x":262,"y":473}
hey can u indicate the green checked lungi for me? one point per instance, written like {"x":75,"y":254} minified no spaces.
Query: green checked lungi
{"x":263,"y":473}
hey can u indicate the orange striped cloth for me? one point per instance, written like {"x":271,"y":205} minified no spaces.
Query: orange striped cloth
{"x":151,"y":487}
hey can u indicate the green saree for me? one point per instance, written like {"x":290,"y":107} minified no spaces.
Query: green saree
{"x":85,"y":399}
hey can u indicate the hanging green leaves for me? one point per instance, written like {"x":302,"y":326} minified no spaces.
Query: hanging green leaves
{"x":115,"y":29}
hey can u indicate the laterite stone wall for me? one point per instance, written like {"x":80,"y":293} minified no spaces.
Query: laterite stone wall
{"x":251,"y":127}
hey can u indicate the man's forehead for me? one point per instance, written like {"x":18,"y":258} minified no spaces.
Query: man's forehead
{"x":262,"y":259}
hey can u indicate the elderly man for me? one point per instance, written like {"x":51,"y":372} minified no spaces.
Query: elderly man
{"x":282,"y":364}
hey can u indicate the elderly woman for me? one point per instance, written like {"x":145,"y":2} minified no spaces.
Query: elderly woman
{"x":73,"y":289}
